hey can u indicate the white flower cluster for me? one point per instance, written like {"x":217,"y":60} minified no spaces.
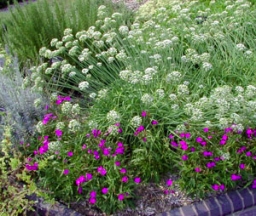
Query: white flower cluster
{"x":60,"y":125}
{"x":147,"y":99}
{"x":174,"y":76}
{"x":66,"y":108}
{"x":136,"y":121}
{"x":54,"y":146}
{"x":83,"y":85}
{"x":113,"y":117}
{"x":74,"y":125}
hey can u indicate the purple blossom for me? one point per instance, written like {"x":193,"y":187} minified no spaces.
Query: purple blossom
{"x":242,"y":166}
{"x":174,"y":144}
{"x":139,"y":130}
{"x":120,"y":148}
{"x":137,"y":180}
{"x":32,"y":167}
{"x":185,"y":135}
{"x":235,"y":177}
{"x":47,"y":118}
{"x":101,"y":170}
{"x":207,"y":153}
{"x":80,"y":180}
{"x":70,"y":154}
{"x":211,"y":164}
{"x":96,"y":133}
{"x":143,"y":113}
{"x":144,"y":139}
{"x":171,"y":136}
{"x":192,"y":149}
{"x":93,"y":194}
{"x":227,"y":130}
{"x":88,"y":176}
{"x":84,"y":146}
{"x":206,"y":130}
{"x":92,"y":200}
{"x":222,"y":187}
{"x":120,"y":197}
{"x":154,"y":122}
{"x":125,"y":179}
{"x":248,"y":154}
{"x":102,"y":143}
{"x":58,"y":132}
{"x":184,"y":157}
{"x":215,"y":187}
{"x":117,"y":163}
{"x":123,"y":171}
{"x":197,"y":169}
{"x":104,"y":190}
{"x":241,"y":150}
{"x":183,"y":145}
{"x":80,"y":189}
{"x":199,"y":139}
{"x":169,"y":182}
{"x":66,"y":172}
{"x":254,"y":183}
{"x":106,"y":151}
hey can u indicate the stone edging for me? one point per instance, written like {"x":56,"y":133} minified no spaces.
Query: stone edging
{"x":223,"y":204}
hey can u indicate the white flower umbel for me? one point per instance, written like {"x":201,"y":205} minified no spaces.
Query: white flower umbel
{"x":39,"y":127}
{"x":147,"y":99}
{"x":174,"y":76}
{"x":240,"y":47}
{"x":75,"y":109}
{"x":182,"y":90}
{"x":102,"y":93}
{"x":136,"y":121}
{"x":160,"y":93}
{"x":83,"y":85}
{"x":113,"y":117}
{"x":66,"y":107}
{"x":206,"y":66}
{"x":60,"y":125}
{"x":74,"y":125}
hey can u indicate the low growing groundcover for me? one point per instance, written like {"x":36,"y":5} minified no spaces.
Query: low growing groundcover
{"x":127,"y":103}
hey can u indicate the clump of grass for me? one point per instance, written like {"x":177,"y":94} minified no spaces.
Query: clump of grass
{"x":28,"y":28}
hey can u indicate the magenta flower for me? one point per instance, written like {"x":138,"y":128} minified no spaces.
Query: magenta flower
{"x":70,"y":154}
{"x":254,"y":183}
{"x":206,"y":130}
{"x":84,"y":146}
{"x":174,"y":144}
{"x":139,"y":130}
{"x":102,"y":143}
{"x":58,"y":132}
{"x":125,"y":179}
{"x":192,"y":149}
{"x":96,"y":133}
{"x":199,"y":139}
{"x":223,"y":142}
{"x":184,"y":157}
{"x":104,"y":190}
{"x":143,"y":113}
{"x":137,"y":180}
{"x":235,"y":177}
{"x":32,"y":167}
{"x":197,"y":169}
{"x":47,"y":118}
{"x":106,"y":151}
{"x":185,"y":135}
{"x":169,"y":182}
{"x":154,"y":122}
{"x":222,"y":187}
{"x":123,"y":171}
{"x":88,"y":176}
{"x":120,"y":197}
{"x":117,"y":163}
{"x":120,"y":148}
{"x":144,"y":139}
{"x":211,"y":164}
{"x":248,"y":154}
{"x":92,"y":200}
{"x":101,"y":171}
{"x":43,"y":149}
{"x":93,"y":194}
{"x":207,"y":153}
{"x":66,"y":172}
{"x":171,"y":136}
{"x":80,"y":180}
{"x":227,"y":130}
{"x":242,"y":166}
{"x":183,"y":145}
{"x":215,"y":187}
{"x":80,"y":189}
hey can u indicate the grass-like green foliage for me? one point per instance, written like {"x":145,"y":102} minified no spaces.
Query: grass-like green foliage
{"x":183,"y":101}
{"x":32,"y":26}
